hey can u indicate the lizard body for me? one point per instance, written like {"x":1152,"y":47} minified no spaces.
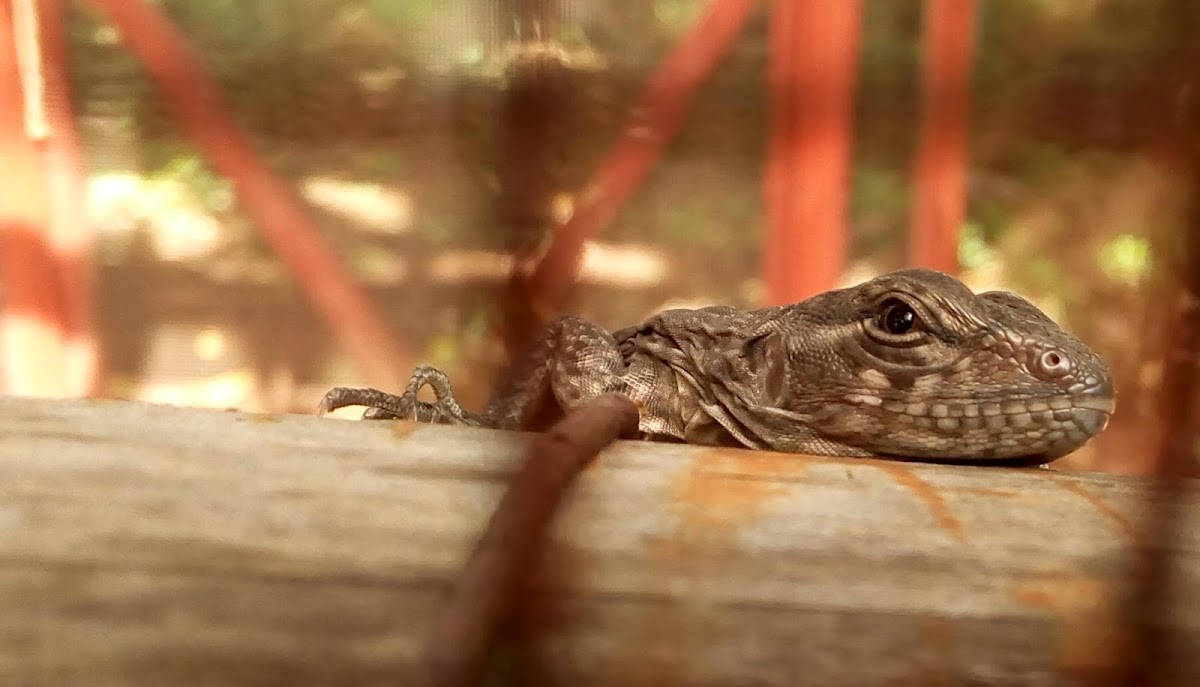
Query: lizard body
{"x":910,"y":365}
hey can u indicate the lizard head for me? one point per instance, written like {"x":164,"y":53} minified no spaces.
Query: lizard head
{"x":913,"y":364}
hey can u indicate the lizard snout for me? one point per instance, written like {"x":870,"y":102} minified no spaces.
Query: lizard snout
{"x":1094,"y":407}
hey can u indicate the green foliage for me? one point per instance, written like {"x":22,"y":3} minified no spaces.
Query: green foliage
{"x":973,"y":248}
{"x":878,"y":190}
{"x":1126,"y":259}
{"x":189,"y":178}
{"x":403,"y":14}
{"x":677,"y":15}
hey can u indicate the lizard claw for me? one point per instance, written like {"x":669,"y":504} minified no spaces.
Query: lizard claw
{"x":331,"y":400}
{"x":384,"y":406}
{"x":381,"y":414}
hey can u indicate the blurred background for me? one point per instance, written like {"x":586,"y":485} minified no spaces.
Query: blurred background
{"x":242,"y":203}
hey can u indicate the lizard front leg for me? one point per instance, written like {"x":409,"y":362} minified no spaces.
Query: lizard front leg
{"x":575,"y":360}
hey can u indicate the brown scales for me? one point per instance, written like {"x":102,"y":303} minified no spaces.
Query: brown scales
{"x":910,"y":365}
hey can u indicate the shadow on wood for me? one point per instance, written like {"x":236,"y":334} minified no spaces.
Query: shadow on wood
{"x":151,"y":545}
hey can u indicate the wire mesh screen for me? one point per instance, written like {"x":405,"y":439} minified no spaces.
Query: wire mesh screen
{"x":389,"y":120}
{"x":438,"y":146}
{"x":287,"y":196}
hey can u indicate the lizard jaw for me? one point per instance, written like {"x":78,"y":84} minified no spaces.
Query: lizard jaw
{"x":1093,"y":409}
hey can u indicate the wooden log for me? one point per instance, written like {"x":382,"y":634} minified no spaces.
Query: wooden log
{"x":148,"y":545}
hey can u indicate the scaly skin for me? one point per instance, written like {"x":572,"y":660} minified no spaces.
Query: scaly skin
{"x":910,"y":365}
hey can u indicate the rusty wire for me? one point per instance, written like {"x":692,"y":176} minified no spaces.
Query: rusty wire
{"x":509,"y":550}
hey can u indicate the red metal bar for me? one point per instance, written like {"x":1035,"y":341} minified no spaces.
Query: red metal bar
{"x":197,"y":103}
{"x":812,"y":74}
{"x":33,"y":324}
{"x":777,"y":178}
{"x":941,"y":160}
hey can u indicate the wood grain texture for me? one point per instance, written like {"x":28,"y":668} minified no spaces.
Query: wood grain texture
{"x":147,"y":545}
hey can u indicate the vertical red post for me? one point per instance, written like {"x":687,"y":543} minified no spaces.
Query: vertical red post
{"x":939,"y":205}
{"x":34,"y":324}
{"x":814,"y":61}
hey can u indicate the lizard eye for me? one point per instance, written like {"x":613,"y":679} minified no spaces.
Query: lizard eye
{"x":897,"y":317}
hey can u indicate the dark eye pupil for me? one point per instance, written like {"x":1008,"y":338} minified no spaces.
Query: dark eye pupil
{"x":898,"y":319}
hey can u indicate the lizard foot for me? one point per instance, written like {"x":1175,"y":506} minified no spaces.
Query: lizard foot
{"x":382,"y":405}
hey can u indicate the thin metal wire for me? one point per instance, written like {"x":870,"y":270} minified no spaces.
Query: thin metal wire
{"x":488,"y":589}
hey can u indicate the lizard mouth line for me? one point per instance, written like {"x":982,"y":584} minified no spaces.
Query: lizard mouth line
{"x":1102,"y":404}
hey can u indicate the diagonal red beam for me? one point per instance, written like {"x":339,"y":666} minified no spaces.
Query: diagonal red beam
{"x":196,"y":101}
{"x":941,"y":159}
{"x":656,"y":119}
{"x":814,"y":49}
